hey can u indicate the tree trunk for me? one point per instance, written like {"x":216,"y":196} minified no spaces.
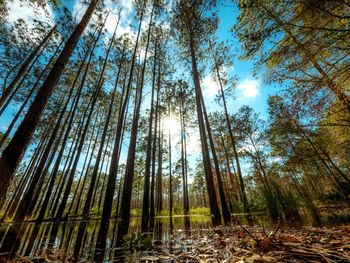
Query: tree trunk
{"x":154,"y":148}
{"x":130,"y":163}
{"x":30,"y":197}
{"x":79,"y":150}
{"x":170,"y":175}
{"x":24,"y":104}
{"x":13,"y":153}
{"x":24,"y":66}
{"x":214,"y":208}
{"x":233,"y":141}
{"x":71,"y":116}
{"x":87,"y":205}
{"x":146,"y":188}
{"x":159,"y":198}
{"x":84,"y":166}
{"x":13,"y":204}
{"x":108,"y":200}
{"x":225,"y":211}
{"x":86,"y":170}
{"x":227,"y":160}
{"x":183,"y":156}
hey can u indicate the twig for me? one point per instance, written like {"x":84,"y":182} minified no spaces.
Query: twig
{"x":276,"y":229}
{"x":256,"y":240}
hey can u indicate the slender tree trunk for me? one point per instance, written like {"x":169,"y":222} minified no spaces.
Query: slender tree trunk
{"x":86,"y":170}
{"x":22,"y":70}
{"x":13,"y":204}
{"x":87,"y":205}
{"x":183,"y":165}
{"x":11,"y":69}
{"x":13,"y":153}
{"x":240,"y":176}
{"x":119,"y":151}
{"x":154,"y":148}
{"x":24,"y":104}
{"x":159,"y":198}
{"x":70,"y":155}
{"x":104,"y":177}
{"x":30,"y":197}
{"x":130,"y":164}
{"x":227,"y":160}
{"x":84,"y":166}
{"x":214,"y":208}
{"x":170,"y":175}
{"x":108,"y":200}
{"x":146,"y":188}
{"x":187,"y":203}
{"x":79,"y":150}
{"x":71,"y":116}
{"x":225,"y":211}
{"x":183,"y":156}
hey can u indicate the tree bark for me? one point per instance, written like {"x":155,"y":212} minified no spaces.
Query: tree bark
{"x":130,"y":163}
{"x":233,"y":141}
{"x":87,"y":205}
{"x":24,"y":66}
{"x":108,"y":200}
{"x":24,"y":104}
{"x":146,"y":188}
{"x":13,"y":153}
{"x":214,"y":208}
{"x":225,"y":211}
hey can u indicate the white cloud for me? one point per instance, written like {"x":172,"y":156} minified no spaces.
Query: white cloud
{"x":248,"y":88}
{"x":126,"y":7}
{"x":28,"y":12}
{"x":210,"y":86}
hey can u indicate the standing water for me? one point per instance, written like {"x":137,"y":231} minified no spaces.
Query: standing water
{"x":64,"y":242}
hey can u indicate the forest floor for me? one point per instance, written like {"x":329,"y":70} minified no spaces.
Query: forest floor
{"x":241,"y":244}
{"x":203,"y":243}
{"x":257,"y":244}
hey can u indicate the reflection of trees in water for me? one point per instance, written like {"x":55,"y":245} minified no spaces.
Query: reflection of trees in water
{"x":76,"y":241}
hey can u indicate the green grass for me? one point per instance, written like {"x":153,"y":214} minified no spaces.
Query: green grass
{"x":177,"y":211}
{"x":205,"y":211}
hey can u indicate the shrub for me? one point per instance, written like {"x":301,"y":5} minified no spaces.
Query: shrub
{"x":200,"y":211}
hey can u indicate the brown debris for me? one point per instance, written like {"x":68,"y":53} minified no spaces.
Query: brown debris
{"x":254,"y":245}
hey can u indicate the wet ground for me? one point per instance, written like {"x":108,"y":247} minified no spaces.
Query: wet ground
{"x":187,"y":239}
{"x":48,"y":242}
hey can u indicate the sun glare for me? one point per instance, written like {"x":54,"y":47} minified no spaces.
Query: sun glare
{"x":171,"y":123}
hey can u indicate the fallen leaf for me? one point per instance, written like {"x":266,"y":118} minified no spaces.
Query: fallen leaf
{"x":260,"y":259}
{"x":288,"y":238}
{"x":149,"y":257}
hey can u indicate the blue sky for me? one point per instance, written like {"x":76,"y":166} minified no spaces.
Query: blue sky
{"x":249,"y":90}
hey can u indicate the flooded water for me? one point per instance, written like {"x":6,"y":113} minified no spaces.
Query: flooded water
{"x":78,"y":242}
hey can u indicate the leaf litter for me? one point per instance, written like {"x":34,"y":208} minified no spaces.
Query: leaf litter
{"x":253,"y":244}
{"x":242,"y":244}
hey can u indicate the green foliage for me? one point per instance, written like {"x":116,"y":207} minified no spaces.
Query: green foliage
{"x":164,"y":212}
{"x":135,"y":212}
{"x":205,"y":211}
{"x":335,"y":219}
